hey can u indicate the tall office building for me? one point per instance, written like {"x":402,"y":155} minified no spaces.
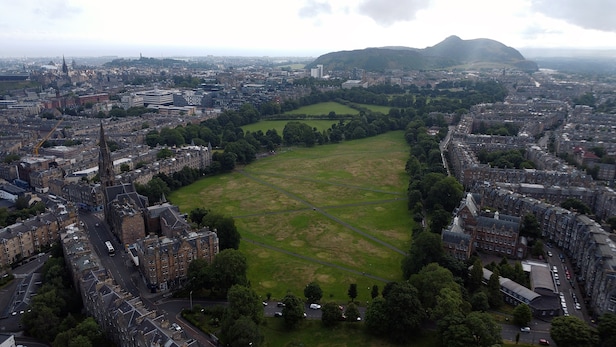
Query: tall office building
{"x":317,"y":72}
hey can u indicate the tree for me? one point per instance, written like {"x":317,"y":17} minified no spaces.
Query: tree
{"x":199,"y":273}
{"x":479,"y":302}
{"x":375,"y":291}
{"x":22,"y":202}
{"x":313,"y":292}
{"x":10,"y":158}
{"x":519,"y":275}
{"x":243,"y":301}
{"x":522,"y":315}
{"x":475,"y":329}
{"x":352,"y":313}
{"x":243,"y":332}
{"x":439,"y":220}
{"x":293,"y":310}
{"x":430,"y":280}
{"x":447,"y":192}
{"x":449,"y":301}
{"x":41,"y":323}
{"x":164,"y":153}
{"x":425,"y":249}
{"x":537,"y":249}
{"x":376,"y":319}
{"x":402,"y":323}
{"x":576,"y":206}
{"x":80,"y":341}
{"x":228,"y":236}
{"x":228,"y":268}
{"x":476,"y":276}
{"x":352,"y":292}
{"x":607,"y":329}
{"x":530,"y":226}
{"x":495,"y":297}
{"x":330,"y":314}
{"x":453,"y":331}
{"x":485,"y":331}
{"x":196,"y":215}
{"x":570,"y":331}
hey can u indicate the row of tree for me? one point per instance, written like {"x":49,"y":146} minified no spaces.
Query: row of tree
{"x":52,"y":313}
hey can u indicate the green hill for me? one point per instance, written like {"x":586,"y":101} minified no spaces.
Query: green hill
{"x":449,"y":53}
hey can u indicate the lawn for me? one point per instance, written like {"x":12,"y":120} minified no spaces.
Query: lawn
{"x":333,"y":214}
{"x":324,"y":108}
{"x":266,"y":125}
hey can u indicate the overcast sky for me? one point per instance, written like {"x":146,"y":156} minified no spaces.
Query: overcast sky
{"x":292,"y":27}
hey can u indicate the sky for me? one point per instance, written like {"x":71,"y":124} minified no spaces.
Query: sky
{"x":309,"y":28}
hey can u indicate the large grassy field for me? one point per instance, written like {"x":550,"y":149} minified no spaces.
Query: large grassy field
{"x":266,"y":125}
{"x":324,"y":108}
{"x":333,"y":214}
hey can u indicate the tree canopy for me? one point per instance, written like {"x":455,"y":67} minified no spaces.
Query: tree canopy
{"x":425,"y":249}
{"x":570,"y":331}
{"x":313,"y":292}
{"x":293,"y":310}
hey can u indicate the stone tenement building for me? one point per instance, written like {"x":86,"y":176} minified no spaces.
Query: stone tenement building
{"x":126,"y":218}
{"x":29,"y":237}
{"x":590,"y":248}
{"x":163,"y":260}
{"x":122,"y":317}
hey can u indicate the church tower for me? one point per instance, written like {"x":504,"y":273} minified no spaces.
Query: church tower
{"x":105,"y":164}
{"x":64,"y":66}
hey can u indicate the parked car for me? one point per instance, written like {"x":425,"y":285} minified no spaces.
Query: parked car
{"x":549,"y":254}
{"x":280,"y":304}
{"x":264,"y":303}
{"x":525,"y":329}
{"x":277,"y":314}
{"x":315,"y":306}
{"x":544,"y":342}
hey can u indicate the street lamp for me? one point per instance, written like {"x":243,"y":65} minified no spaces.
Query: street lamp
{"x":191,"y":307}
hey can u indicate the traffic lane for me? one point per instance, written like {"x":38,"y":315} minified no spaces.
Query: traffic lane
{"x":272,"y":307}
{"x":570,"y":292}
{"x":32,"y":266}
{"x":121,"y":266}
{"x":509,"y":333}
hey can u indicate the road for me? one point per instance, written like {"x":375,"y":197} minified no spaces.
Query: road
{"x":273,"y":307}
{"x":126,"y":274}
{"x":538,"y":330}
{"x":120,"y":266}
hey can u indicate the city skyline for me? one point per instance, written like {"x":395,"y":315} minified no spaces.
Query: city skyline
{"x":294,"y":27}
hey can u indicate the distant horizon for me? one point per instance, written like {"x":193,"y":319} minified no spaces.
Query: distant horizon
{"x":194,"y":52}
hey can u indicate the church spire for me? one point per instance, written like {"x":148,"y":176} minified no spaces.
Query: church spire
{"x":105,"y":165}
{"x":64,"y":66}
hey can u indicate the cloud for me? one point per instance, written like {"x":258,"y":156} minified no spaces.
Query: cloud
{"x":388,"y":12}
{"x":533,"y":32}
{"x":53,"y":10}
{"x":589,"y":14}
{"x":314,"y":9}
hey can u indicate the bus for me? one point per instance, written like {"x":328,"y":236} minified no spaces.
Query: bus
{"x":110,"y":248}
